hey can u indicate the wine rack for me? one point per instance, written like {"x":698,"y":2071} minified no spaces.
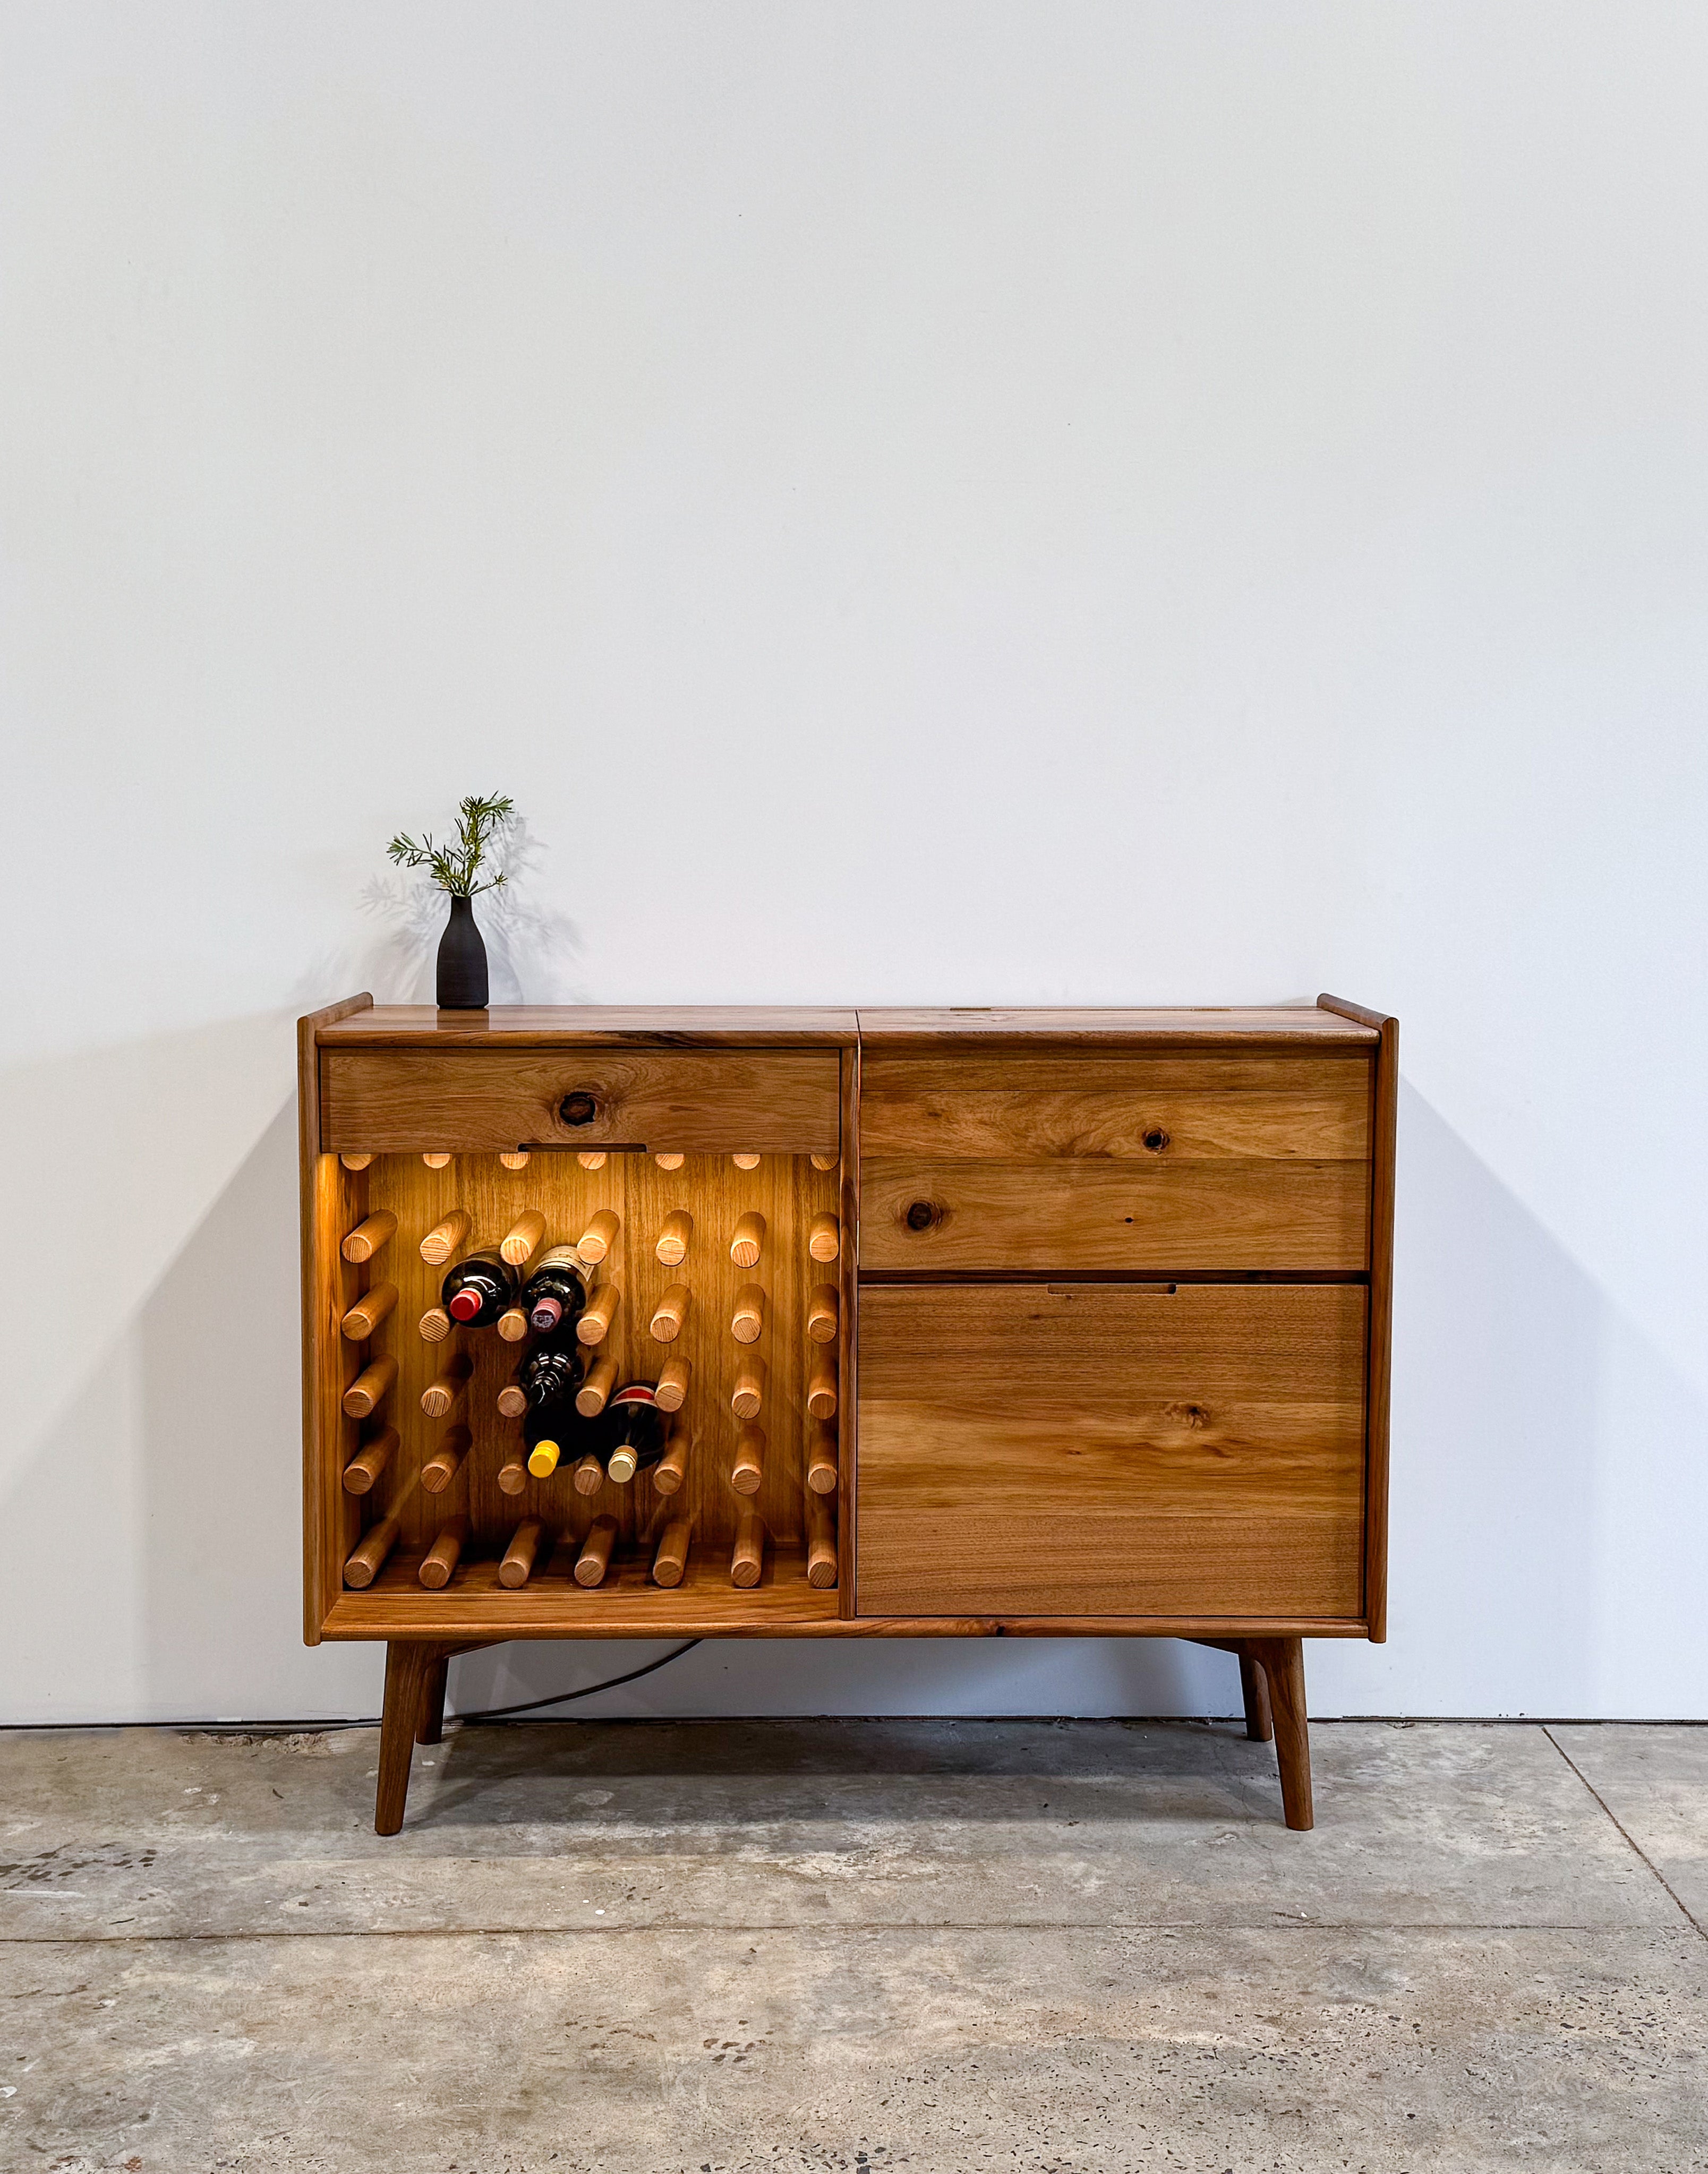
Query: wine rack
{"x":963,"y":1324}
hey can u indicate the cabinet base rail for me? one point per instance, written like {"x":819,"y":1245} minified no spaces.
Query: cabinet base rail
{"x":1272,"y":1683}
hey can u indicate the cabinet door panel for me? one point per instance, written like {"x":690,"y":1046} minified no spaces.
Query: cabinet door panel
{"x":1110,"y":1450}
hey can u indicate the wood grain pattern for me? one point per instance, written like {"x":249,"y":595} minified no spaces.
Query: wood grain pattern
{"x":1385,"y":1126}
{"x":370,"y":1461}
{"x":1100,"y":1450}
{"x":747,"y":1472}
{"x":937,"y":1218}
{"x":1282,"y":1026}
{"x":675,"y":1236}
{"x":518,"y":1566}
{"x":589,"y":1027}
{"x":442,"y":1467}
{"x":370,"y":1310}
{"x":747,"y":1321}
{"x":522,"y":1241}
{"x":444,"y":1242}
{"x":679,"y":1099}
{"x":604,"y":1228}
{"x":747,"y":1242}
{"x":370,"y":1235}
{"x":492,"y":1484}
{"x":368,"y":1391}
{"x":331,"y":1199}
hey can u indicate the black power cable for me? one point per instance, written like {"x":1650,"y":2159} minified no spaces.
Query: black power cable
{"x":563,"y":1698}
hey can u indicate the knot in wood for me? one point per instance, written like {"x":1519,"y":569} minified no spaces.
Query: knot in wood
{"x":1156,"y":1139}
{"x":920,"y":1215}
{"x":579,"y":1108}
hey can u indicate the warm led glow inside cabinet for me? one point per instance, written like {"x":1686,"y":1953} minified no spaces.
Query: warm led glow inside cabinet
{"x":961,"y":1323}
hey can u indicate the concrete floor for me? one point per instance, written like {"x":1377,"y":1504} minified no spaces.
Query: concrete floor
{"x":943,"y":1945}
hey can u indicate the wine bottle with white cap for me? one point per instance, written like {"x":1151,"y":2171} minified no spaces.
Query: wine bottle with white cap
{"x":634,"y":1430}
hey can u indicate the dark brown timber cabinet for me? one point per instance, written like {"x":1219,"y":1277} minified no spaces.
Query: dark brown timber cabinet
{"x":963,"y":1323}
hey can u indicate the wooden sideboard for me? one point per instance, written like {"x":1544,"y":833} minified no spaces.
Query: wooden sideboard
{"x":1068,"y":1322}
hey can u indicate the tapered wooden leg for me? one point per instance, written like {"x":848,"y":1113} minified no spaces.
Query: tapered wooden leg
{"x":407,"y":1665}
{"x":1283,"y":1662}
{"x":1254,"y":1689}
{"x":430,"y":1727}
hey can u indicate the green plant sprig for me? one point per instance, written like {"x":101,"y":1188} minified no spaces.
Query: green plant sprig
{"x":455,"y":866}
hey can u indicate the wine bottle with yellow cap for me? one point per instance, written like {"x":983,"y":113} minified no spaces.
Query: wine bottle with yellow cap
{"x":552,"y":1432}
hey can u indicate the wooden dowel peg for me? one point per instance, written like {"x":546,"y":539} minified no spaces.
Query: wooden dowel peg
{"x":365,"y":1392}
{"x":589,"y":1475}
{"x":825,"y":1161}
{"x":669,"y":1162}
{"x":592,"y":1158}
{"x":446,"y":1460}
{"x":369,"y":1462}
{"x":595,"y":1558}
{"x":671,"y":1560}
{"x":599,"y":1236}
{"x":749,"y":1391}
{"x":821,"y":1386}
{"x":675,"y":1236}
{"x":445,"y":1238}
{"x":512,"y":1475}
{"x":824,"y":1312}
{"x":747,"y":1474}
{"x":512,"y":1324}
{"x":821,"y":1542}
{"x":672,"y":1468}
{"x":369,"y":1235}
{"x":517,"y":1161}
{"x":519,"y":1241}
{"x":435,"y":1325}
{"x":748,"y":1241}
{"x":597,"y":1315}
{"x":745,"y":1161}
{"x":369,"y":1310}
{"x":355,"y":1161}
{"x":519,"y":1556}
{"x":435,"y":1161}
{"x":362,"y":1563}
{"x":824,"y":1237}
{"x":822,"y":1459}
{"x":674,"y":1378}
{"x":746,"y":1561}
{"x":447,"y":1385}
{"x":748,"y":1316}
{"x":442,"y":1558}
{"x":513,"y":1400}
{"x":669,"y":1314}
{"x":595,"y":1392}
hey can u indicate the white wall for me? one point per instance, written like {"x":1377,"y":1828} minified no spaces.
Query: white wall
{"x":929,"y":502}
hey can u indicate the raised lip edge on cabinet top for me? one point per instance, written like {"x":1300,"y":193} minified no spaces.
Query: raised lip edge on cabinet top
{"x":516,"y":1026}
{"x":1281,"y":1026}
{"x":711,"y":1026}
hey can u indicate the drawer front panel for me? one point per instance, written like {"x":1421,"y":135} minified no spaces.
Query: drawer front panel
{"x":1110,"y":1450}
{"x":690,"y":1100}
{"x":1032,"y":1163}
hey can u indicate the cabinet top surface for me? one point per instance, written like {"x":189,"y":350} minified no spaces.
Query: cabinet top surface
{"x":421,"y":1026}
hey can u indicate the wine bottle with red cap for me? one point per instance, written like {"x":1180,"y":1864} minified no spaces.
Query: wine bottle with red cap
{"x":634,"y":1431}
{"x":477,"y":1289}
{"x":555,"y":1296}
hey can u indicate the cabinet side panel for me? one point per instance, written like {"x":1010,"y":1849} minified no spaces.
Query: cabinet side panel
{"x":324,"y":1429}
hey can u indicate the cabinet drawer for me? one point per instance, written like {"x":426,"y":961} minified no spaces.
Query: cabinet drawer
{"x":695,"y":1100}
{"x":1068,"y":1162}
{"x":1111,"y":1450}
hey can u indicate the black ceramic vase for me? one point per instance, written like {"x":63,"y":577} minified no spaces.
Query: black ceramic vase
{"x":462,"y":983}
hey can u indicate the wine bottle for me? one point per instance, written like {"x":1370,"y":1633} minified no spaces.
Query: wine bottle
{"x":556,"y":1294}
{"x":549,"y":1373}
{"x":477,"y":1289}
{"x":551,"y":1432}
{"x":634,"y":1436}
